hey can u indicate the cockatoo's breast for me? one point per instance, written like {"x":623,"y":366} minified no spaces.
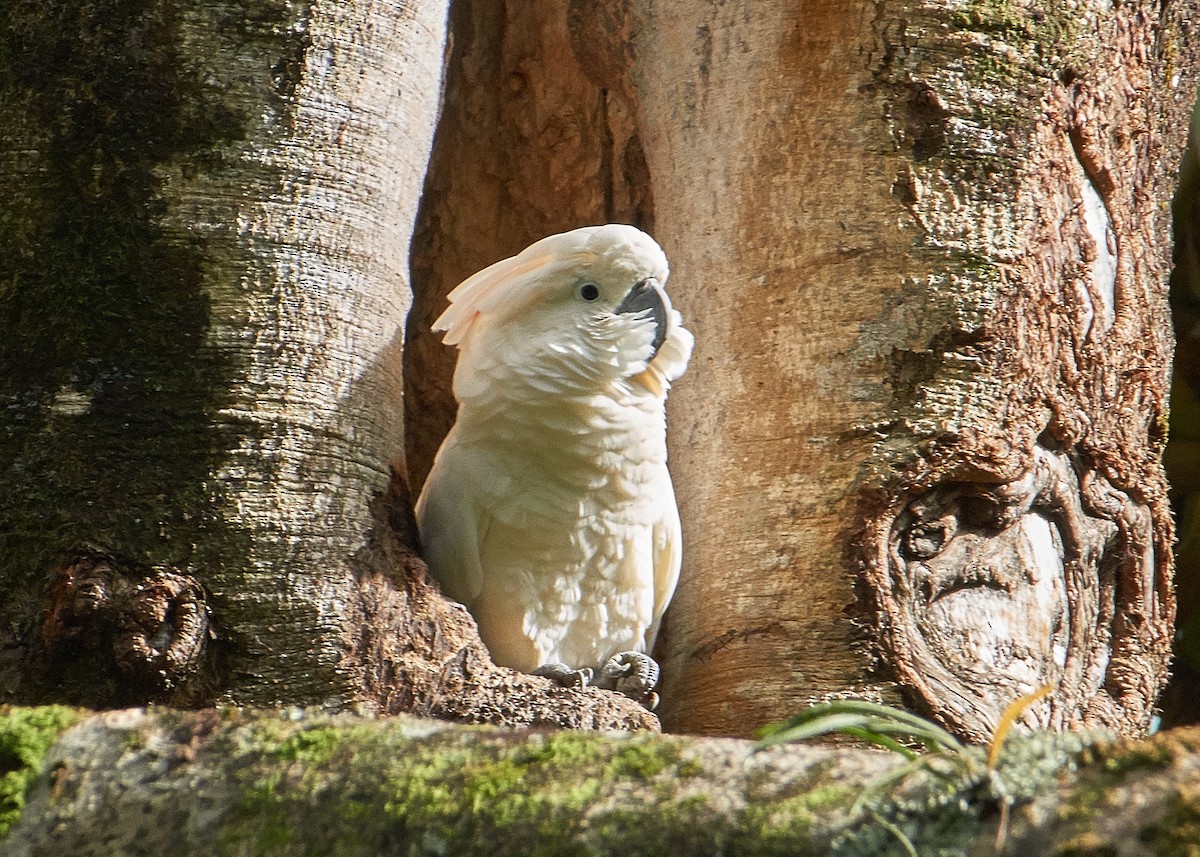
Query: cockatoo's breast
{"x":577,"y":494}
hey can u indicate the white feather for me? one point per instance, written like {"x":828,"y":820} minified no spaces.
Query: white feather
{"x":549,"y":511}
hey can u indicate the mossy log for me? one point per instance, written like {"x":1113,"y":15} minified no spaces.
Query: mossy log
{"x":233,"y":782}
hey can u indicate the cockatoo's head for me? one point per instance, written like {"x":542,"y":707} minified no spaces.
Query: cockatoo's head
{"x":571,"y":313}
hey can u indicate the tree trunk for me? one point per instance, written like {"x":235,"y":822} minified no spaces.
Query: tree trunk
{"x":207,"y":215}
{"x":144,"y":783}
{"x":924,"y":250}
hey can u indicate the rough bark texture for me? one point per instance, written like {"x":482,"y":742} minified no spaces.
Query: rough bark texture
{"x":784,"y":238}
{"x":205,"y":301}
{"x":1029,"y":543}
{"x":923,"y":247}
{"x":208,"y":209}
{"x":537,"y":119}
{"x":230,"y":783}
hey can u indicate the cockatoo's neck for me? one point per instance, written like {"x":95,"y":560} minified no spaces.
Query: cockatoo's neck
{"x":605,"y":362}
{"x":624,"y":404}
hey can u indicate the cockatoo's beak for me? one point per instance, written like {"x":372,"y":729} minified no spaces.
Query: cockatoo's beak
{"x":648,"y":295}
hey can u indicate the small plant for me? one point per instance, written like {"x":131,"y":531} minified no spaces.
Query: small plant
{"x":873,"y":722}
{"x":965,"y":771}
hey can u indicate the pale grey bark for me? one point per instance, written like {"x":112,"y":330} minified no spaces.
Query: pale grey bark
{"x":214,"y":389}
{"x":314,"y":319}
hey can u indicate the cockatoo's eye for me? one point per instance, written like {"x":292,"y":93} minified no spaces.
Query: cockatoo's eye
{"x":589,"y":291}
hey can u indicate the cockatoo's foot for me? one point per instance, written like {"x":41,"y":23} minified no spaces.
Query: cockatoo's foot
{"x":633,"y":674}
{"x":564,"y":675}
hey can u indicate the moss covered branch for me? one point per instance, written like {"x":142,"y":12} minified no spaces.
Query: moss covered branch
{"x":233,"y":782}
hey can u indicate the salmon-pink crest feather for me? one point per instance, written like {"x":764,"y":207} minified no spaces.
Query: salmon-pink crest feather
{"x":481,"y":292}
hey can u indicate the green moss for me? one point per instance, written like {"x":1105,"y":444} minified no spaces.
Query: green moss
{"x":828,"y":797}
{"x":272,"y":825}
{"x":1042,"y":31}
{"x":678,"y":824}
{"x":1177,"y":833}
{"x":1120,"y":760}
{"x":533,"y":793}
{"x":314,"y":746}
{"x":647,"y":757}
{"x":26,"y":735}
{"x":986,"y":66}
{"x":777,"y":827}
{"x":1086,"y":845}
{"x":1008,"y":51}
{"x":561,"y":749}
{"x":351,"y":788}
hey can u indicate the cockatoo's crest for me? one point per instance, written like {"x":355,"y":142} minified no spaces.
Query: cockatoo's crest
{"x":483,"y":292}
{"x":612,"y":253}
{"x":480,"y":292}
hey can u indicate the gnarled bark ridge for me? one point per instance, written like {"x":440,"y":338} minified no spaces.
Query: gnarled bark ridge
{"x":1025,"y":535}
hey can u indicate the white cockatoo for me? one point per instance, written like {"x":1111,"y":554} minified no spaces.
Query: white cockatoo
{"x":549,"y":511}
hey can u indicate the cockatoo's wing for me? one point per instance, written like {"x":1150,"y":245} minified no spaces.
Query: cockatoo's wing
{"x":452,"y":528}
{"x":668,"y":557}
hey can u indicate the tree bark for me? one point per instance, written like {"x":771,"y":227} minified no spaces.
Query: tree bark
{"x":924,"y":254}
{"x":924,"y":250}
{"x":137,"y":782}
{"x":207,"y":215}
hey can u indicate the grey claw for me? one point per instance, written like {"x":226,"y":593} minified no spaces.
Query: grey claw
{"x":632,"y":673}
{"x":564,"y":675}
